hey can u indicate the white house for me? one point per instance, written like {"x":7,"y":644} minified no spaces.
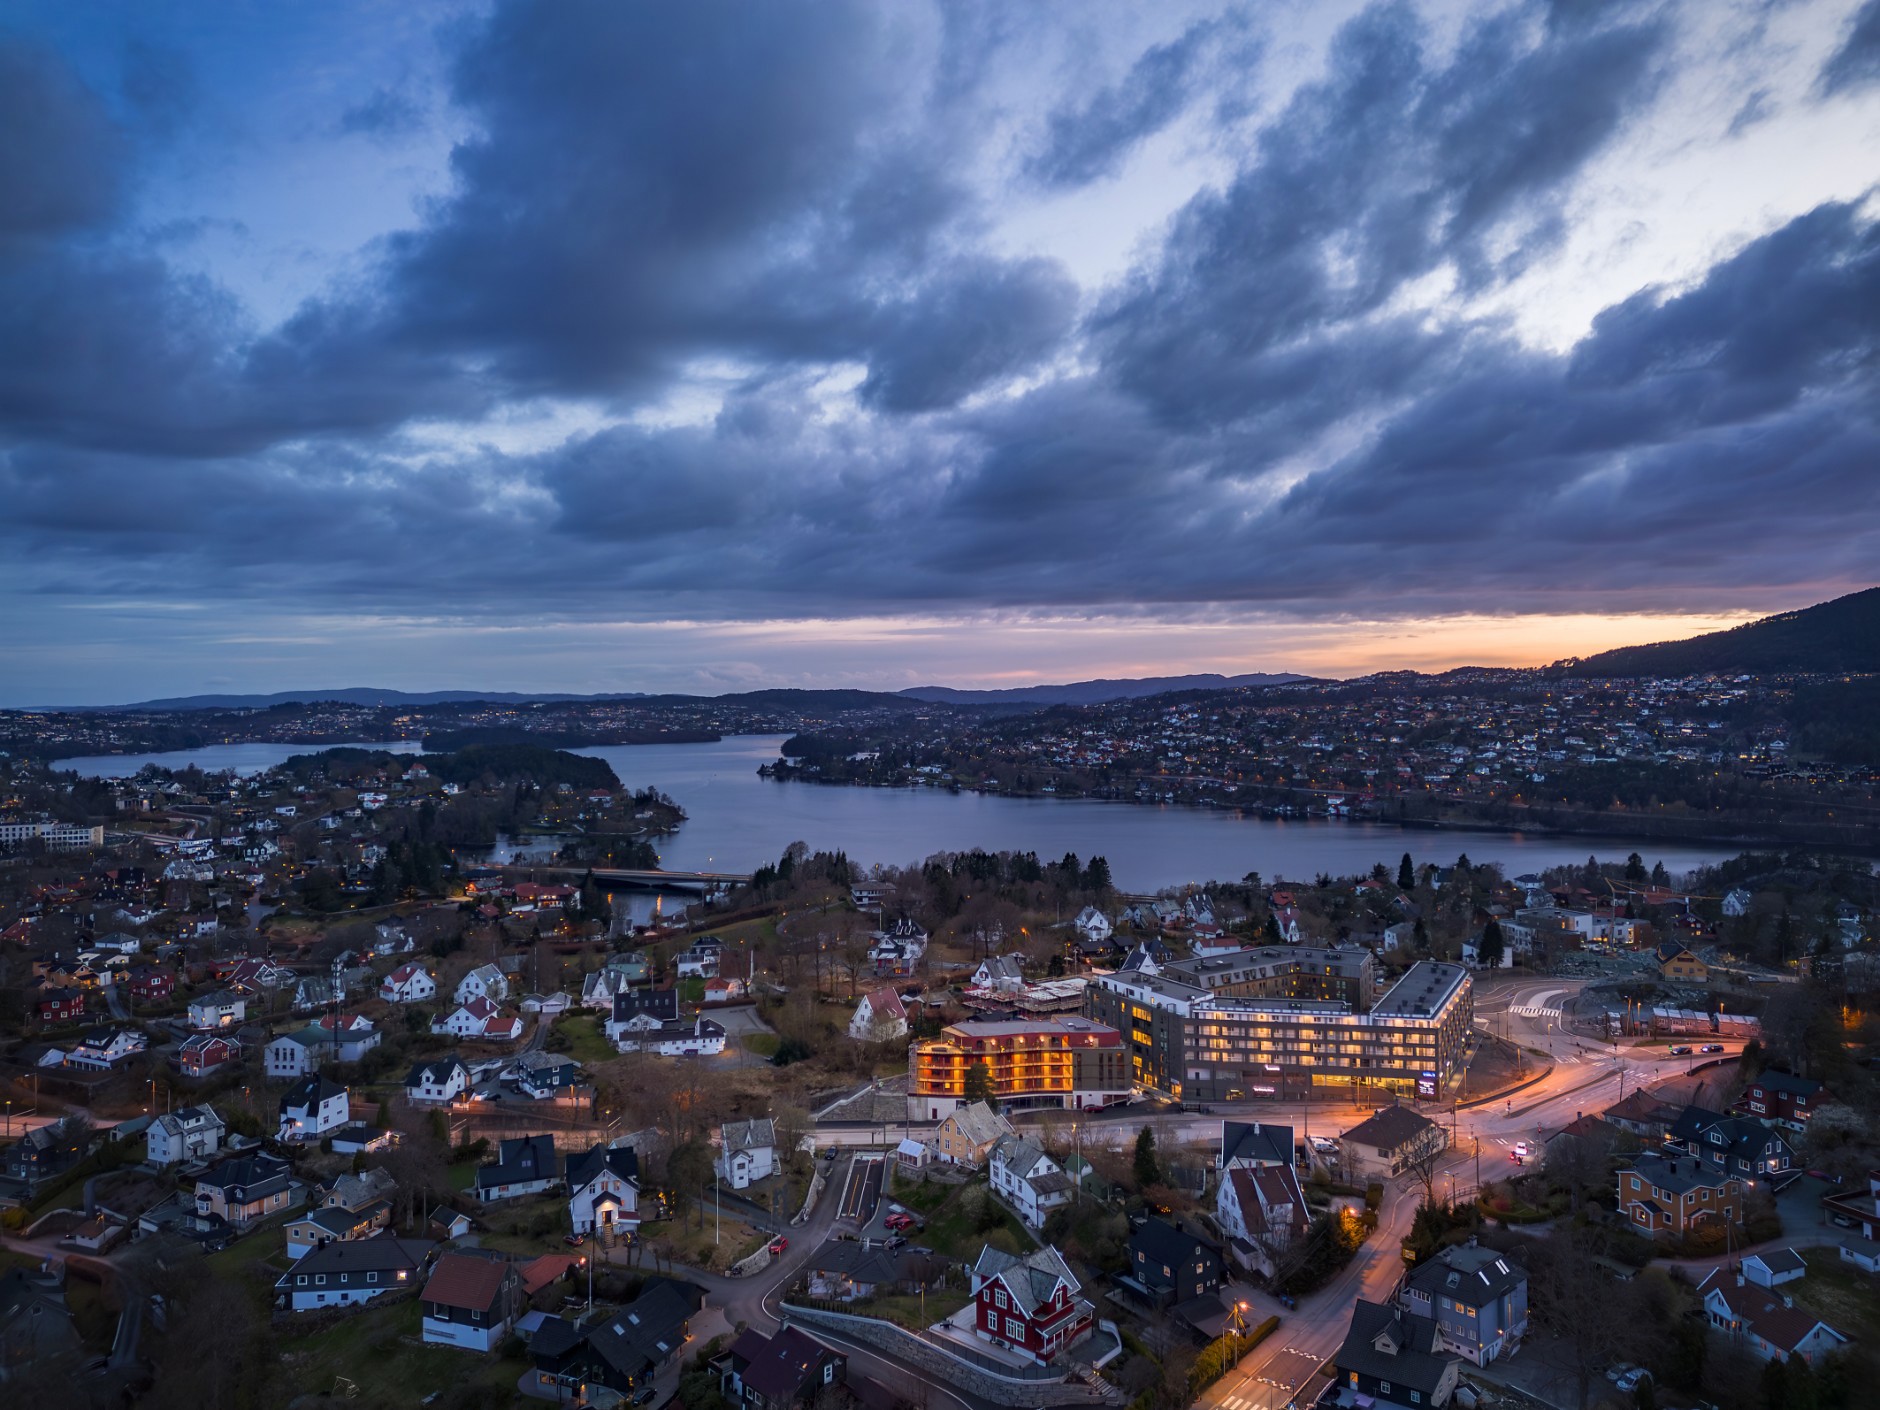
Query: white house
{"x":1764,"y":1322}
{"x":313,"y":1107}
{"x":1093,"y":924}
{"x":1032,"y":1182}
{"x":440,"y":1080}
{"x":348,"y":1271}
{"x":748,"y":1152}
{"x":188,"y":1134}
{"x":999,"y":972}
{"x":700,"y":1038}
{"x":105,"y":1048}
{"x":296,"y":1054}
{"x":214,"y":1011}
{"x":598,"y":989}
{"x":351,"y":1038}
{"x":484,"y":982}
{"x":1264,"y":1214}
{"x":604,"y":1189}
{"x":1774,"y":1267}
{"x":525,"y":1165}
{"x":880,"y":1017}
{"x":408,"y":984}
{"x":481,"y":1020}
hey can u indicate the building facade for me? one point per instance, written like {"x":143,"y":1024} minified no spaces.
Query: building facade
{"x":1068,"y":1062}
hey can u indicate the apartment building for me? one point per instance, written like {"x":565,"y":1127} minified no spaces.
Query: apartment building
{"x":1279,"y":1019}
{"x":1067,"y":1062}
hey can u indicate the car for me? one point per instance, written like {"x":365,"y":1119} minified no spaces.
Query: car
{"x":645,"y":1395}
{"x":574,"y":1240}
{"x":1619,"y":1370}
{"x":779,"y":1244}
{"x":1681,"y":1050}
{"x":1711,"y":1048}
{"x":1630,"y":1380}
{"x":898,"y":1221}
{"x":895,"y":1243}
{"x":1521,"y":1149}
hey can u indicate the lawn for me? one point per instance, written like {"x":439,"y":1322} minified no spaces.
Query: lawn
{"x":1840,"y":1294}
{"x":763,"y":1044}
{"x":587,"y":1045}
{"x":374,"y":1348}
{"x":916,"y":1313}
{"x":959,"y":1227}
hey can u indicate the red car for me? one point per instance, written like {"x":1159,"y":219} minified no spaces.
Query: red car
{"x":898,"y":1221}
{"x":779,"y":1244}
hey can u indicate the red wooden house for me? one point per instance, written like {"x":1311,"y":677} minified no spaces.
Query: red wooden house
{"x":205,"y":1053}
{"x":1029,"y":1304}
{"x":61,"y":1006}
{"x":150,"y":985}
{"x":1783,"y":1098}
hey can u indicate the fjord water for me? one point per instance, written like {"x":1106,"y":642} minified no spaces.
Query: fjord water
{"x":737,"y":821}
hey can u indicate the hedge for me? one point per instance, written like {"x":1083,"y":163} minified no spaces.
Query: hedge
{"x":1222,"y":1354}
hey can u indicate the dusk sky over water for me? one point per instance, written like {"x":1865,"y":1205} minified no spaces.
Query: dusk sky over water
{"x":593,"y":347}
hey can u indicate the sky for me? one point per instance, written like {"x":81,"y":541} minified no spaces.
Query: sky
{"x":604,"y":346}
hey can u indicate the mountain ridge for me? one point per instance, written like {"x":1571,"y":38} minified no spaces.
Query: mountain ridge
{"x":1095,"y":692}
{"x":1841,"y":634}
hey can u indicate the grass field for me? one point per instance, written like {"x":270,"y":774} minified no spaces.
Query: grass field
{"x":765,"y":1045}
{"x":377,"y":1348}
{"x":587,"y":1044}
{"x":1840,"y":1294}
{"x":954,"y":1217}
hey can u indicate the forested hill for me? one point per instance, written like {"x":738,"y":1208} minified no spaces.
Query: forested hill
{"x":1842,"y":635}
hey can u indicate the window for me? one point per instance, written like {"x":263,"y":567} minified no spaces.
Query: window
{"x":319,"y":1280}
{"x":1014,"y":1328}
{"x":372,"y":1277}
{"x":301,"y":1280}
{"x":999,"y":1297}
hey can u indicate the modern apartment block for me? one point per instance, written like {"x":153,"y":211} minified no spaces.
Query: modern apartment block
{"x":1281,"y":1018}
{"x":1065,"y":1062}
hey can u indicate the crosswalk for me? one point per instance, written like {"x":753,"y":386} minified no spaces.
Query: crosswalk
{"x":1543,"y":1005}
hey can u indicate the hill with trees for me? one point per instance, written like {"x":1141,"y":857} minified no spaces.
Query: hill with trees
{"x":1830,"y":637}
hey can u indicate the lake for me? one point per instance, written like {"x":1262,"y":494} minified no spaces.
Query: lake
{"x":737,"y":821}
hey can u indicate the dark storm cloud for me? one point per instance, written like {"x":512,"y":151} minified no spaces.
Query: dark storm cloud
{"x":1267,"y":411}
{"x":1090,"y":139}
{"x":1856,"y":64}
{"x":1388,"y":169}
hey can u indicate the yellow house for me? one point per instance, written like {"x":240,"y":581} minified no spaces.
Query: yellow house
{"x":968,"y":1135}
{"x":1675,"y":961}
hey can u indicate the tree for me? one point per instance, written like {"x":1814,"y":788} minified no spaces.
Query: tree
{"x":1147,"y":1171}
{"x":1097,"y":874}
{"x":978,"y":1084}
{"x":1660,"y":877}
{"x":1406,"y":874}
{"x":1635,"y":868}
{"x":1491,"y":947}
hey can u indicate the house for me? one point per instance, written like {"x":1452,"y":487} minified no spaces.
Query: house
{"x":897,"y":951}
{"x":1264,"y":1214}
{"x":879,"y":1017}
{"x":1000,"y":972}
{"x":205,"y":1053}
{"x":408,"y":984}
{"x":747,"y":1152}
{"x":1030,"y":1303}
{"x":1673,"y":1196}
{"x":1477,"y":1298}
{"x":351,"y":1038}
{"x":1774,"y":1267}
{"x":213,"y":1012}
{"x":1737,"y":1145}
{"x":439,"y":1080}
{"x":1676,"y":962}
{"x":318,"y":991}
{"x":480,"y":1021}
{"x":638,"y":1012}
{"x":470,"y":1301}
{"x":1170,"y":1264}
{"x":244,"y":1189}
{"x":1093,"y":924}
{"x":525,"y":1165}
{"x":1783,"y":1099}
{"x":700,"y":960}
{"x":1254,"y":1143}
{"x":347,"y":1271}
{"x":296,"y":1054}
{"x":700,"y":1037}
{"x":486,"y":981}
{"x":599,"y":988}
{"x":256,"y":976}
{"x":604,"y":1189}
{"x":1643,"y":1115}
{"x":849,"y":1270}
{"x":1389,"y":1142}
{"x":1859,"y":1211}
{"x":36,"y":1329}
{"x":968,"y":1134}
{"x":1763,"y":1322}
{"x":312,"y":1108}
{"x":544,"y":1075}
{"x":49,"y":1150}
{"x":789,"y":1371}
{"x":1393,"y":1358}
{"x":102,"y":1049}
{"x":188,"y":1134}
{"x":1864,"y":1254}
{"x":1032,"y":1182}
{"x":626,"y":1351}
{"x":150,"y":985}
{"x":61,"y":1005}
{"x":725,"y":989}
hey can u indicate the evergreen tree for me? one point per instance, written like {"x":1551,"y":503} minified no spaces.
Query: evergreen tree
{"x":1660,"y":877}
{"x":1406,"y":874}
{"x":1147,"y":1172}
{"x":978,"y":1084}
{"x":1635,"y":868}
{"x":1272,"y":930}
{"x":1420,"y":934}
{"x":1491,"y":946}
{"x":1775,"y":1387}
{"x":1097,"y":874}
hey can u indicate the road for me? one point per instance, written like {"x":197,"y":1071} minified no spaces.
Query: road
{"x":1588,"y":1076}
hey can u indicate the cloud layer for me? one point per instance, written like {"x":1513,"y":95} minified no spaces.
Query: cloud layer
{"x":751,"y":268}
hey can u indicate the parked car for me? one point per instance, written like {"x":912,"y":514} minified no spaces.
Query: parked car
{"x":574,"y":1240}
{"x":779,"y":1244}
{"x":898,"y":1221}
{"x":1630,"y":1380}
{"x":1619,"y":1370}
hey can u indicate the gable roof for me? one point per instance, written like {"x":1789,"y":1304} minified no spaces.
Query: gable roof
{"x":436,"y":1072}
{"x":460,"y":1280}
{"x":775,"y":1368}
{"x":520,"y":1160}
{"x":662,"y":1004}
{"x":979,"y":1123}
{"x":381,"y":1254}
{"x":623,"y":1161}
{"x":309,"y":1092}
{"x":647,"y":1330}
{"x":1769,"y":1315}
{"x":759,"y":1133}
{"x":1389,"y":1128}
{"x":1474,"y":1276}
{"x":884,"y":1002}
{"x":1030,"y":1278}
{"x":1393,"y":1345}
{"x":1256,"y":1141}
{"x":1164,"y":1243}
{"x":1260,"y":1188}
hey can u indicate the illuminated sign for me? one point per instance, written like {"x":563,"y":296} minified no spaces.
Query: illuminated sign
{"x":1426,"y":1084}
